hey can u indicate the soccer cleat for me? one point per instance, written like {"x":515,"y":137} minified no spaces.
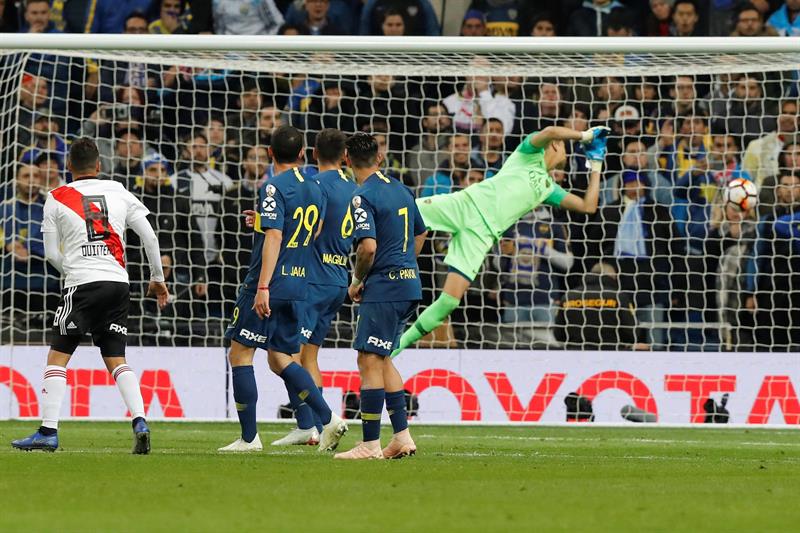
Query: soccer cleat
{"x":37,"y":441}
{"x":400,"y":446}
{"x":141,"y":438}
{"x":363,"y":450}
{"x":332,"y":433}
{"x":240,"y":445}
{"x":300,"y":437}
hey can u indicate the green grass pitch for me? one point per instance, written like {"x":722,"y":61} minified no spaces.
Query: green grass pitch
{"x":463,"y":479}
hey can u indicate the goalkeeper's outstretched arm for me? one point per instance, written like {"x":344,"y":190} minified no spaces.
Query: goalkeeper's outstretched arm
{"x":558,"y":133}
{"x":595,"y":150}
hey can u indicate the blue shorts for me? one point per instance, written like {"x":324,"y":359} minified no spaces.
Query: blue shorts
{"x":380,"y":325}
{"x":321,"y":306}
{"x":280,"y":331}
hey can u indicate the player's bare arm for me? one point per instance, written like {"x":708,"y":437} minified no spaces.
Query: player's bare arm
{"x":419,"y":242}
{"x":269,"y":258}
{"x":365,"y":256}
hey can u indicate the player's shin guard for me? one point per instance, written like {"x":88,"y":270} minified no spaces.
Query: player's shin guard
{"x":299,"y":378}
{"x":129,"y":389}
{"x":430,"y":319}
{"x":317,"y":419}
{"x":245,"y":394}
{"x":371,"y":408}
{"x":53,"y":389}
{"x":302,"y":412}
{"x":396,"y":407}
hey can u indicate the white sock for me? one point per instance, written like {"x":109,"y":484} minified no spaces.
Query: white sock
{"x":53,"y":389}
{"x":128,"y":387}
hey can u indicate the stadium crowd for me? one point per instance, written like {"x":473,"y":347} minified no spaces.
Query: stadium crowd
{"x":192,"y":143}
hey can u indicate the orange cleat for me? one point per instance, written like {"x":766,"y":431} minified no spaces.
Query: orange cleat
{"x":363,"y":450}
{"x":400,"y":446}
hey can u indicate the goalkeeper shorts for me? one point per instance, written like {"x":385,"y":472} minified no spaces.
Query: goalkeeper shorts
{"x":456,"y":214}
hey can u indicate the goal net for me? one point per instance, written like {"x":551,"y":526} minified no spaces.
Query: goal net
{"x":664,"y":264}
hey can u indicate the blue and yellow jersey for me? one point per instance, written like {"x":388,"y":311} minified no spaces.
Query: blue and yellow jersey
{"x":384,"y":209}
{"x":292,"y":203}
{"x":332,"y":247}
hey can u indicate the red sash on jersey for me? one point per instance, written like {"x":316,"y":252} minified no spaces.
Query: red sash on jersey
{"x":73,"y":200}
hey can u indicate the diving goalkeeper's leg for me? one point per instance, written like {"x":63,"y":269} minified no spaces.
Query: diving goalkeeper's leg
{"x":433,"y":316}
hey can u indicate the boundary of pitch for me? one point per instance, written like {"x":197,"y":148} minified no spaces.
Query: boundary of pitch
{"x":470,"y":423}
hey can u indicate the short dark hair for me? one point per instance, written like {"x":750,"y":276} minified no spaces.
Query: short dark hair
{"x":749,"y":6}
{"x":679,"y":2}
{"x":136,"y":15}
{"x":286,"y":143}
{"x":31,"y":2}
{"x":83,"y":155}
{"x":362,"y":149}
{"x":331,"y":144}
{"x":619,"y":19}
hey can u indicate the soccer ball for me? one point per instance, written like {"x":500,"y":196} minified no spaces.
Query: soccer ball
{"x":741,"y":194}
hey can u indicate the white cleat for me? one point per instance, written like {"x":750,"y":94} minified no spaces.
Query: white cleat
{"x":332,"y":433}
{"x":240,"y":445}
{"x":363,"y":450}
{"x":299,"y":437}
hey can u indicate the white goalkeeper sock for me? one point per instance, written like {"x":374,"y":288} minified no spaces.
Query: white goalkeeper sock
{"x":53,"y":389}
{"x":128,"y":387}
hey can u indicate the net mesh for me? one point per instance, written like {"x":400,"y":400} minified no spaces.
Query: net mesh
{"x":695,"y":274}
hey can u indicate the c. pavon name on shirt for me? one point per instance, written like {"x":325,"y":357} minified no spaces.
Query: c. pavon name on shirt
{"x":94,"y":250}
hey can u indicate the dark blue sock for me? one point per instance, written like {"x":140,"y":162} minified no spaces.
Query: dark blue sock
{"x":371,"y":408}
{"x":396,"y":407}
{"x":299,"y":378}
{"x":245,"y":394}
{"x":317,"y":419}
{"x":302,"y":412}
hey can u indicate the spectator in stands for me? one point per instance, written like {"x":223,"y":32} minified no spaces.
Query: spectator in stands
{"x":418,"y":16}
{"x":785,"y":20}
{"x":172,"y":16}
{"x":638,"y":235}
{"x":750,"y":114}
{"x":750,"y":23}
{"x":37,"y":17}
{"x":685,"y":19}
{"x":242,"y":123}
{"x":685,"y":101}
{"x":330,"y":107}
{"x":136,"y":24}
{"x":532,"y":251}
{"x":393,"y":23}
{"x":392,"y":161}
{"x":591,"y":19}
{"x":619,"y":24}
{"x":635,"y":159}
{"x":730,"y":242}
{"x":492,"y":101}
{"x":599,"y":316}
{"x":452,"y":171}
{"x":205,"y":188}
{"x":502,"y":16}
{"x":24,"y":263}
{"x":385,"y":96}
{"x":425,"y":156}
{"x":319,"y":20}
{"x":128,"y":158}
{"x":693,"y":142}
{"x":474,"y":24}
{"x":491,"y":149}
{"x":659,"y":19}
{"x":246,"y":17}
{"x":544,"y":111}
{"x":46,"y":137}
{"x":50,"y":170}
{"x":338,"y":18}
{"x":100,"y":16}
{"x":9,"y":20}
{"x":761,"y":159}
{"x":610,"y":93}
{"x":543,"y":25}
{"x":773,"y":290}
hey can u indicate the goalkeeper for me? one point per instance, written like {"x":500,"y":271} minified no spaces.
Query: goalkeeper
{"x":479,"y":215}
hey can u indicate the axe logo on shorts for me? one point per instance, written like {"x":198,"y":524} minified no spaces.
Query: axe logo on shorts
{"x":305,"y":332}
{"x":118,"y":329}
{"x":250,"y":336}
{"x":380,"y":343}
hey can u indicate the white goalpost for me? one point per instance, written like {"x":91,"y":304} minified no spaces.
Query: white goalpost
{"x":664,"y":266}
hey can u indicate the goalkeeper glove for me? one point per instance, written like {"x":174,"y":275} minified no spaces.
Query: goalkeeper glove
{"x":598,"y":132}
{"x":596,"y":150}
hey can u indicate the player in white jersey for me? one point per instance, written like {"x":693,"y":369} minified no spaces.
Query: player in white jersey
{"x":84,"y":228}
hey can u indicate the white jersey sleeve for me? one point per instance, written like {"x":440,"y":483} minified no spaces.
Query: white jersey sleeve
{"x":136,"y":209}
{"x":49,"y":220}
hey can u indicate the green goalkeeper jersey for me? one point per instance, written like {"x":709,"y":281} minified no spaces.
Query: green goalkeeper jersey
{"x":521,"y":185}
